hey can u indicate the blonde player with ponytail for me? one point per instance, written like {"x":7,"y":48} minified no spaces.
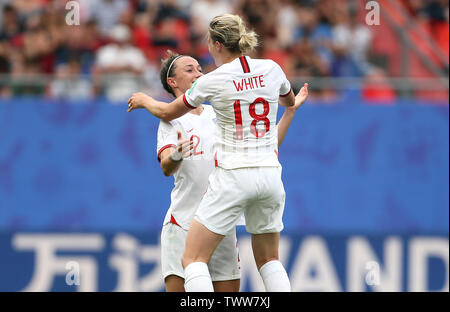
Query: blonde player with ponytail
{"x":244,"y":93}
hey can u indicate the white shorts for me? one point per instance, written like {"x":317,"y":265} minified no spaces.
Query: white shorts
{"x":258,"y":192}
{"x":223,"y":265}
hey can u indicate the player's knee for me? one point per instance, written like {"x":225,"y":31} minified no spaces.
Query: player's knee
{"x":185,"y":261}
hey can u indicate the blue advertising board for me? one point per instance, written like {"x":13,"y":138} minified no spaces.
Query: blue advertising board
{"x":123,"y":261}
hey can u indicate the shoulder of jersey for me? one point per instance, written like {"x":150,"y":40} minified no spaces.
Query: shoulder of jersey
{"x":225,"y":69}
{"x":211,"y":73}
{"x":165,"y":123}
{"x":265,"y":62}
{"x":260,"y":63}
{"x":205,"y":79}
{"x":172,"y":123}
{"x":211,"y":77}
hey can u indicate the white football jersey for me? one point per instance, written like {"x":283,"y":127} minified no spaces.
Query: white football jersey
{"x":244,"y":94}
{"x":191,"y":178}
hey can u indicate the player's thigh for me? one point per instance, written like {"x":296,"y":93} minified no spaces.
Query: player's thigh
{"x":173,"y":240}
{"x":200,"y":244}
{"x":224,"y":264}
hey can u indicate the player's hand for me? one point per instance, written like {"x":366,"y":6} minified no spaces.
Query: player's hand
{"x":300,"y":98}
{"x":185,"y":147}
{"x":138,"y":100}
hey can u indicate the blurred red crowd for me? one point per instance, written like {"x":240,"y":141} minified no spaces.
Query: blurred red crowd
{"x":309,"y":38}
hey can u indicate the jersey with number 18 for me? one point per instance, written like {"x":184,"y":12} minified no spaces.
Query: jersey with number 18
{"x":244,"y":94}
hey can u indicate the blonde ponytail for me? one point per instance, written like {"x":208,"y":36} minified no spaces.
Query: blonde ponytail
{"x":248,"y":42}
{"x":230,"y":30}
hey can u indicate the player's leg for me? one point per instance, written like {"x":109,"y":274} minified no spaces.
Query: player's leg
{"x":200,"y":244}
{"x":227,"y":286}
{"x":265,"y":247}
{"x":173,"y":239}
{"x":265,"y":250}
{"x":216,"y":216}
{"x":174,"y":283}
{"x":224,"y":265}
{"x":264,"y":222}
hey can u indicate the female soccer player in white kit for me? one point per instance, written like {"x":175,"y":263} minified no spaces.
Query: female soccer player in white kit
{"x":184,"y":148}
{"x":244,"y":93}
{"x":191,"y":174}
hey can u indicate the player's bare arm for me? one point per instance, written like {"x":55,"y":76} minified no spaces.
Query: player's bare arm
{"x":288,"y":100}
{"x":171,"y":158}
{"x":288,"y":116}
{"x":161,"y":110}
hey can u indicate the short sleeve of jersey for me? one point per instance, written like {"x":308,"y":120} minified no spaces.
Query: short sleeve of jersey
{"x":285,"y":87}
{"x":202,"y":90}
{"x":167,"y":137}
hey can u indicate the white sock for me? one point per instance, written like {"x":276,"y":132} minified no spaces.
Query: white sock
{"x":197,"y":278}
{"x":275,"y":277}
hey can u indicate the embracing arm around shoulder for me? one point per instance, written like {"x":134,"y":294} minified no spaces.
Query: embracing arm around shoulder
{"x":161,"y":110}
